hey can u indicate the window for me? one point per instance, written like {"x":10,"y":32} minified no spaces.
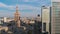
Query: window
{"x":44,"y":26}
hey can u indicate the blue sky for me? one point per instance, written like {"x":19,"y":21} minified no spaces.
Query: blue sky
{"x":27,"y":8}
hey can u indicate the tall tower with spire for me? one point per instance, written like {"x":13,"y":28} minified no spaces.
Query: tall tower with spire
{"x":17,"y":17}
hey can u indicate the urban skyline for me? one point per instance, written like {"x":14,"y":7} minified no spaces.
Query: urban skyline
{"x":30,"y":17}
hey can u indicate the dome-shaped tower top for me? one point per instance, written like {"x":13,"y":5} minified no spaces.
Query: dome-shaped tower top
{"x":38,"y":15}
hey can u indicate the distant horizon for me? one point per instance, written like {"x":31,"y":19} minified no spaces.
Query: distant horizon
{"x":26,"y":7}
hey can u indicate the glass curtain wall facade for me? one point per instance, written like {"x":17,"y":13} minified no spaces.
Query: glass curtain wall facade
{"x":55,"y":18}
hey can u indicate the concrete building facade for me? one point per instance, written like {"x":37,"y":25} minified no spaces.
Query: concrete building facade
{"x":45,"y":18}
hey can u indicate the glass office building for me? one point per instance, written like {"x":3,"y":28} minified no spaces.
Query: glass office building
{"x":55,"y":18}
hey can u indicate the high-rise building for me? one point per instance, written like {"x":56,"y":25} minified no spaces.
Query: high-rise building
{"x":55,"y":17}
{"x":5,"y":19}
{"x":45,"y":18}
{"x":17,"y":17}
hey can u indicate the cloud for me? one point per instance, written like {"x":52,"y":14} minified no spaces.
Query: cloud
{"x":21,"y":7}
{"x":55,"y":0}
{"x":5,"y":13}
{"x":2,"y":5}
{"x":24,"y":5}
{"x":6,"y":6}
{"x":30,"y":0}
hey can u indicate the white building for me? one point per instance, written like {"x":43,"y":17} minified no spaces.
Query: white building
{"x":5,"y":19}
{"x":45,"y":18}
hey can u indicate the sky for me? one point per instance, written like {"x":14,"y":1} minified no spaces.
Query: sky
{"x":27,"y":8}
{"x":55,"y":0}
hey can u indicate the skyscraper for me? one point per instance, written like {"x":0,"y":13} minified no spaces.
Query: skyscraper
{"x":45,"y":18}
{"x":17,"y":17}
{"x":55,"y":18}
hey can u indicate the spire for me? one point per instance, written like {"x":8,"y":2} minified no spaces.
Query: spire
{"x":17,"y":8}
{"x":17,"y":16}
